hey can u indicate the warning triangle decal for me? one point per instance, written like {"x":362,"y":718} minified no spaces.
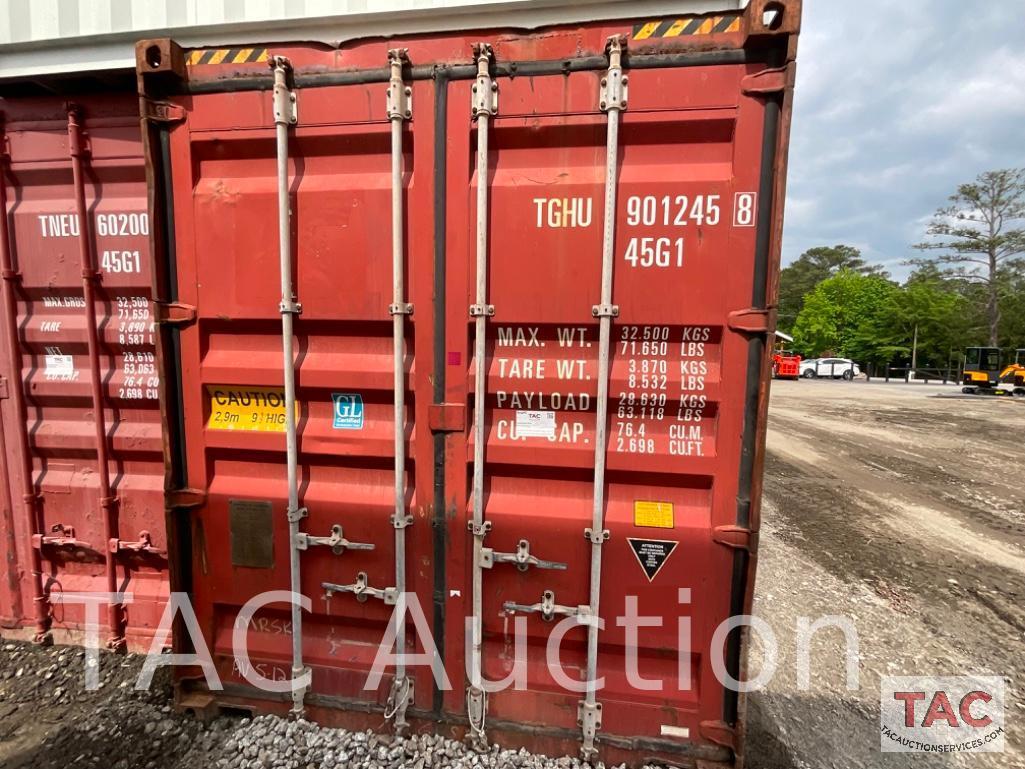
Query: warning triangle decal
{"x":652,"y":554}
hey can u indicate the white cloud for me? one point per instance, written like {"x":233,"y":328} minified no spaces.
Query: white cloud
{"x":896,"y":104}
{"x":992,"y":90}
{"x":800,"y":211}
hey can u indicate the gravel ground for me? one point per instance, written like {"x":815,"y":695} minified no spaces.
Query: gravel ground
{"x":47,"y":721}
{"x":901,"y":511}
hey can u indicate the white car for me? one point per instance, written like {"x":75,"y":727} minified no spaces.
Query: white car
{"x":837,"y":368}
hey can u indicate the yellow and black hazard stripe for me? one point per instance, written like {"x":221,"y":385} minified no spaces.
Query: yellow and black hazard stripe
{"x":700,"y":25}
{"x":228,"y":56}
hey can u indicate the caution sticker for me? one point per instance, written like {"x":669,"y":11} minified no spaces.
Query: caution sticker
{"x":657,"y":515}
{"x":260,"y":409}
{"x":652,"y":554}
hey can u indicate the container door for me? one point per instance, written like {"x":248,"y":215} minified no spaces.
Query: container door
{"x":687,"y":182}
{"x":223,"y":161}
{"x":527,"y":515}
{"x":51,"y":369}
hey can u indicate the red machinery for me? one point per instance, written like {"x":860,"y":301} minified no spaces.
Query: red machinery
{"x":785,"y":364}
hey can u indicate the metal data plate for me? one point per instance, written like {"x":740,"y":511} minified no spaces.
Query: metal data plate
{"x":252,"y":539}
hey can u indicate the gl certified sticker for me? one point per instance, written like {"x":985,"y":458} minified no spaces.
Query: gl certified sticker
{"x":348,"y":408}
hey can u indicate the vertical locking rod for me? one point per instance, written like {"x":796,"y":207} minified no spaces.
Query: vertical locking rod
{"x":399,"y":110}
{"x":285,"y":116}
{"x":90,"y":278}
{"x":31,"y":513}
{"x":613,"y":101}
{"x":484,"y":102}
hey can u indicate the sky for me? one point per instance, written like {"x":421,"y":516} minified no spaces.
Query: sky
{"x":897,"y":103}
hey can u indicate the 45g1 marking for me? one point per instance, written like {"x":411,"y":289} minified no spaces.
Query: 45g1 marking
{"x":121,"y":261}
{"x":654,"y":252}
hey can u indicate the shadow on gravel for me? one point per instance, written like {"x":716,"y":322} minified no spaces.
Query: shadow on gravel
{"x":48,"y":720}
{"x":764,"y":748}
{"x":810,"y":731}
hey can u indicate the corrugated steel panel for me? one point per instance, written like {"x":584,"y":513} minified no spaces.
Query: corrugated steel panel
{"x":70,"y":355}
{"x":510,"y":447}
{"x":41,"y":37}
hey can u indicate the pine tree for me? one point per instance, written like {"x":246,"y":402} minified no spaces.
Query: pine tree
{"x":975,"y":236}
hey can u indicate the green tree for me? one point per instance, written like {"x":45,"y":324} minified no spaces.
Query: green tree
{"x":975,"y":237}
{"x":846,"y":315}
{"x":1012,"y":308}
{"x":808,"y":270}
{"x":930,"y":308}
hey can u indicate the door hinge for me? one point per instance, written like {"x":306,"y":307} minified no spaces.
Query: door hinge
{"x":184,"y":498}
{"x":752,"y":320}
{"x":174,"y":313}
{"x":4,"y":392}
{"x":734,"y":536}
{"x":766,"y":81}
{"x":164,"y":112}
{"x":719,"y":732}
{"x":446,"y":417}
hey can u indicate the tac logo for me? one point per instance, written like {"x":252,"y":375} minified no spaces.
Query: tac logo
{"x":947,"y":714}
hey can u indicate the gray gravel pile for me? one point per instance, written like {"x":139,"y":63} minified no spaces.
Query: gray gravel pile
{"x":269,"y":742}
{"x":49,"y":721}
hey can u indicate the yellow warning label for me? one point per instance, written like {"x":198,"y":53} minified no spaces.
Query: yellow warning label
{"x":260,"y":409}
{"x":658,"y":515}
{"x":685,"y":27}
{"x":227,"y":56}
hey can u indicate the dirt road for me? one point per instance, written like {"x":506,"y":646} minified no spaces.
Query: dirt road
{"x":905,"y":513}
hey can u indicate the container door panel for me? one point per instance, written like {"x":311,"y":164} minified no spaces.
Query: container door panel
{"x":54,"y":369}
{"x":694,"y":249}
{"x":687,"y":182}
{"x":340,"y":198}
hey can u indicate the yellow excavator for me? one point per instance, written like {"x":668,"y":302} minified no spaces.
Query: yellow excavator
{"x":984,"y":373}
{"x":1013,"y":375}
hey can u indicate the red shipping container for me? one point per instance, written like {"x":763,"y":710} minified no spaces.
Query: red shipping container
{"x":83,"y":481}
{"x":553,"y":256}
